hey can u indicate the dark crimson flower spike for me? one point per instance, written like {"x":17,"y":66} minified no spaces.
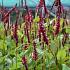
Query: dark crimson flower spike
{"x":42,"y":30}
{"x":34,"y":53}
{"x":57,"y":27}
{"x":24,"y":62}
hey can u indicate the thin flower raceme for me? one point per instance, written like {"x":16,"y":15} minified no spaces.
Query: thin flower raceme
{"x":5,"y":20}
{"x":42,"y":30}
{"x":34,"y":54}
{"x":58,"y":15}
{"x":30,"y":16}
{"x":27,"y":27}
{"x":57,"y":25}
{"x":24,"y":62}
{"x":44,"y":35}
{"x":42,"y":4}
{"x":15,"y":36}
{"x":39,"y":34}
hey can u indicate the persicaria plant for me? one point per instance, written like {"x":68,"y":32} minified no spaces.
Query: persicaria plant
{"x":38,"y":40}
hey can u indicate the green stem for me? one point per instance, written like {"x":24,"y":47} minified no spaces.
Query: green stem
{"x":4,"y":53}
{"x":16,"y":56}
{"x":35,"y":65}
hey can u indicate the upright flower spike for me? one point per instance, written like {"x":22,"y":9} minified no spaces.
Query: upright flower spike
{"x":57,"y":27}
{"x":43,"y":7}
{"x":24,"y":62}
{"x":4,"y":11}
{"x":42,"y":30}
{"x":27,"y":27}
{"x":39,"y":34}
{"x":41,"y":3}
{"x":29,"y":13}
{"x":56,"y":3}
{"x":28,"y":21}
{"x":58,"y":6}
{"x":5,"y":21}
{"x":59,"y":11}
{"x":15,"y":36}
{"x":34,"y":54}
{"x":30,"y":18}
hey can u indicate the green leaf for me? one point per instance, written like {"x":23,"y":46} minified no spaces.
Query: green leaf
{"x":65,"y":67}
{"x":1,"y":26}
{"x":14,"y":66}
{"x":40,"y":51}
{"x":36,"y":19}
{"x":25,"y":39}
{"x":68,"y":29}
{"x":3,"y":45}
{"x":61,"y":54}
{"x":20,"y":34}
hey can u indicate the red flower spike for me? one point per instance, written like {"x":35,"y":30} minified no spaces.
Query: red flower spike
{"x":34,"y":54}
{"x":42,"y":30}
{"x":28,"y":20}
{"x":57,"y":2}
{"x":24,"y":60}
{"x":25,"y":46}
{"x":57,"y":27}
{"x":59,"y":7}
{"x":15,"y":36}
{"x":45,"y":9}
{"x":41,"y":3}
{"x":30,"y":16}
{"x":39,"y":35}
